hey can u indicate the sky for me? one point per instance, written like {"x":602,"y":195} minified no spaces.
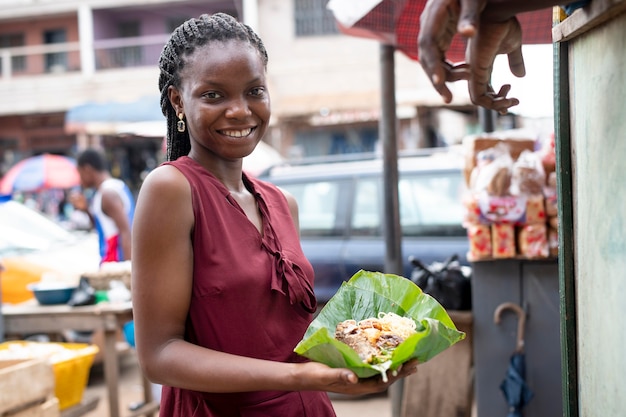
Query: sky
{"x":535,"y":90}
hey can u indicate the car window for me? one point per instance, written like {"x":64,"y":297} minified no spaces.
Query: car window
{"x":366,"y":216}
{"x":317,"y":206}
{"x":431,"y":204}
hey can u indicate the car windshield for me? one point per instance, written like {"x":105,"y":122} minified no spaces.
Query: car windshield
{"x":24,"y":230}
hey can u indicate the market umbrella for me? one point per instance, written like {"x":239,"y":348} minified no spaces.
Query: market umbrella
{"x":516,"y":391}
{"x":397,"y":23}
{"x":40,"y":172}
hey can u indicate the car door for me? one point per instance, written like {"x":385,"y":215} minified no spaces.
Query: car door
{"x":431,"y":215}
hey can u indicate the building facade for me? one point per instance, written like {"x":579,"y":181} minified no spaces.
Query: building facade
{"x":79,"y":73}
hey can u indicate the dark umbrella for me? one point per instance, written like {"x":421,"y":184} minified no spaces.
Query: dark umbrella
{"x":516,"y":392}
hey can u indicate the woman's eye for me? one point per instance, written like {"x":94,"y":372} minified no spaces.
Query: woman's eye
{"x":212,"y":95}
{"x":257,"y":91}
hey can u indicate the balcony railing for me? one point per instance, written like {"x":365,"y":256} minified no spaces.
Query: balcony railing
{"x":33,"y":60}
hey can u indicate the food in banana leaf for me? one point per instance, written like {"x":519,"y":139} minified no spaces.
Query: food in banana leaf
{"x":375,"y":338}
{"x":366,"y":295}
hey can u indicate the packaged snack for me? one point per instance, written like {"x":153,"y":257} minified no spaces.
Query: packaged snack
{"x":529,"y":177}
{"x":472,"y":210}
{"x":493,"y":174}
{"x":535,"y":209}
{"x":515,"y":142}
{"x":503,"y":237}
{"x":479,"y":236}
{"x":532,"y":240}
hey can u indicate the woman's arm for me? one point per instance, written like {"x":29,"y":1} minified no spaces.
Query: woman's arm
{"x":162,"y":266}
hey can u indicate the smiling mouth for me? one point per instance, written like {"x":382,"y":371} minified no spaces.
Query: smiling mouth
{"x":237,"y":133}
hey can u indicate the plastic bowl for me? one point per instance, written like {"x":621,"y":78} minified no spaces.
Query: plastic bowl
{"x":52,"y":293}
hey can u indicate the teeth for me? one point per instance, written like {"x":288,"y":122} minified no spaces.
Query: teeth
{"x":237,"y":133}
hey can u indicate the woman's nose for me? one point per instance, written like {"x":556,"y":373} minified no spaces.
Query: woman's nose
{"x":238,"y":108}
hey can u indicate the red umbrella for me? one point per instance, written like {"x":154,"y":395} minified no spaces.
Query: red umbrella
{"x":397,"y":23}
{"x":39,"y":173}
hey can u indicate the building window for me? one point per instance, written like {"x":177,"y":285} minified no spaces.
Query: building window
{"x":313,"y":18}
{"x":128,"y":56}
{"x":173,"y":22}
{"x":56,"y":61}
{"x":11,"y":40}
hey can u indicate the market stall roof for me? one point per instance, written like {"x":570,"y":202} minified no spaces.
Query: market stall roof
{"x":397,"y":23}
{"x":141,"y":117}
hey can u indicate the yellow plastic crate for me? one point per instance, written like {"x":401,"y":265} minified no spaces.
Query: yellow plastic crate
{"x":71,"y":363}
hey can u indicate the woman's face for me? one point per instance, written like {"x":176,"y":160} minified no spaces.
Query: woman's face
{"x":224,"y":98}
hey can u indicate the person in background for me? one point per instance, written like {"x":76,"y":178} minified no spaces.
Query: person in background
{"x":491,"y":28}
{"x":111,"y":207}
{"x":221,"y":289}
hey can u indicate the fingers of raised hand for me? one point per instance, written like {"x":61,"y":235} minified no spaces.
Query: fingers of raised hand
{"x":437,"y":28}
{"x":495,"y":101}
{"x":516,"y":62}
{"x":470,"y":16}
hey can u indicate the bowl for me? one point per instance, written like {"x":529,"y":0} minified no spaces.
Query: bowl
{"x":52,"y":293}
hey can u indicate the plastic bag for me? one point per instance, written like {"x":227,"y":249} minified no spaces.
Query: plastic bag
{"x":83,"y":295}
{"x":448,"y":282}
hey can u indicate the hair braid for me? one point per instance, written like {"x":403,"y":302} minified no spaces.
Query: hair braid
{"x":184,"y":40}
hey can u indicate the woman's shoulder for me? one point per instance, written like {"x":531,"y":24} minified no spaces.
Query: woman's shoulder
{"x":166,"y":178}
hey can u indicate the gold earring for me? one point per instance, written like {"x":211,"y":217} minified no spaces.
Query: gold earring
{"x":180,"y":126}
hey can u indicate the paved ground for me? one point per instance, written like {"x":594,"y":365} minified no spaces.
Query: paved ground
{"x":131,"y":391}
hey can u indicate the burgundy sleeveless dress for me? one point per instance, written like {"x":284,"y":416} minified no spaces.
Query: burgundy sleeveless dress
{"x":252,"y":296}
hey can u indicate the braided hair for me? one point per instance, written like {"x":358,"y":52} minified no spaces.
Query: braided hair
{"x":184,"y":40}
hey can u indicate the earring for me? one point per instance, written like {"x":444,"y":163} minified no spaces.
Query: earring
{"x":180,"y":126}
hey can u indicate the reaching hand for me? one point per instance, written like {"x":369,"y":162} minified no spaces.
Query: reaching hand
{"x":438,"y":25}
{"x":440,"y":21}
{"x":470,"y":16}
{"x":490,"y":40}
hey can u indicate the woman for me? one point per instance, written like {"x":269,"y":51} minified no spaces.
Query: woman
{"x":222,"y":292}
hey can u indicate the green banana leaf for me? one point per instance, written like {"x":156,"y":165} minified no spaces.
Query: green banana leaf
{"x":365,"y":295}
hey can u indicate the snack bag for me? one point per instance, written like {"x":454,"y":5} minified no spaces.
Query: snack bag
{"x":532,"y":241}
{"x":535,"y":209}
{"x":503,"y":237}
{"x":479,"y":236}
{"x":528,"y":175}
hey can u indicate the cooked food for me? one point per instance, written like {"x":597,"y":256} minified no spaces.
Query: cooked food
{"x":375,"y":338}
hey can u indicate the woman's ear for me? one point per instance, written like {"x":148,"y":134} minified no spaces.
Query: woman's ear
{"x":175,"y":99}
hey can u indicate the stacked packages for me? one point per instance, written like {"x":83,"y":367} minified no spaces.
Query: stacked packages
{"x":511,"y":203}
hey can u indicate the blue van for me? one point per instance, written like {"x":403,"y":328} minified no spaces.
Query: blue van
{"x":341,"y":212}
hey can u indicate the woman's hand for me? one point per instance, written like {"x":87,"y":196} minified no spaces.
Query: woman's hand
{"x":344,"y":381}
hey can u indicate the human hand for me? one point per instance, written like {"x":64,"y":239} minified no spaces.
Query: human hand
{"x":491,"y":39}
{"x":344,"y":381}
{"x":78,"y":201}
{"x":438,"y":25}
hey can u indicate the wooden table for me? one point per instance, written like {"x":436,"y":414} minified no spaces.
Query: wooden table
{"x":32,"y":318}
